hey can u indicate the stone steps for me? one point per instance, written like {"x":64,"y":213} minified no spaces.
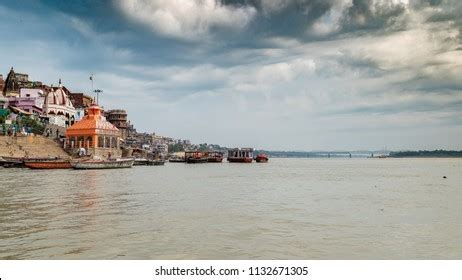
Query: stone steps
{"x":32,"y":146}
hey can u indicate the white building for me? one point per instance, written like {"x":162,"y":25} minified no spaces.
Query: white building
{"x":58,"y":107}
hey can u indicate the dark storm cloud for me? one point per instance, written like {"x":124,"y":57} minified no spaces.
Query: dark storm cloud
{"x":294,"y":18}
{"x":442,"y":10}
{"x":290,"y":18}
{"x":312,"y":64}
{"x":368,"y":15}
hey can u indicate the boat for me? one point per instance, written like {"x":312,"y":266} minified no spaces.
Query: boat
{"x":48,"y":164}
{"x":244,"y":155}
{"x":196,"y":157}
{"x":140,"y":161}
{"x":103,"y":164}
{"x":156,"y":162}
{"x":12,"y":162}
{"x":215,"y":157}
{"x":261,"y":158}
{"x":177,"y":159}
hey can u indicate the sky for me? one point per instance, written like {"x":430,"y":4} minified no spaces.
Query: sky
{"x":269,"y":74}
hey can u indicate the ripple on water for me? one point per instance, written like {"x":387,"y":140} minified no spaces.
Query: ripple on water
{"x":288,"y":208}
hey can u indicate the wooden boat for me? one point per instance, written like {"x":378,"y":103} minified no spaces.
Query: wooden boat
{"x":196,"y":157}
{"x":12,"y":162}
{"x":156,"y":162}
{"x":261,"y":158}
{"x":140,"y":161}
{"x":177,"y":159}
{"x":215,"y":157}
{"x":103,"y":164}
{"x":48,"y":164}
{"x":244,"y":155}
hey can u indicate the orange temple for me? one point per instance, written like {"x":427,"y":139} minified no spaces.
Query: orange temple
{"x":94,"y":133}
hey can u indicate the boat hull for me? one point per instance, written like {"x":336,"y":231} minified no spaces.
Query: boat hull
{"x":215,"y":159}
{"x":110,"y":164}
{"x":156,"y":162}
{"x":63,"y":164}
{"x":261,"y":160}
{"x":240,"y":159}
{"x":196,"y":160}
{"x":140,"y":162}
{"x":12,"y":162}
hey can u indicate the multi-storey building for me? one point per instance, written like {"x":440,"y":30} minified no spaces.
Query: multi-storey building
{"x":118,"y":118}
{"x":30,"y":100}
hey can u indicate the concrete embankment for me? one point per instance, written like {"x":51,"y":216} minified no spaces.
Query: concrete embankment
{"x":30,"y":146}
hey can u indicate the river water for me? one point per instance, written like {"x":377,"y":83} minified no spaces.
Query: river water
{"x":285,"y":209}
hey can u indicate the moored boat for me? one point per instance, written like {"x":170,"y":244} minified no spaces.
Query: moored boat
{"x":156,"y":162}
{"x":215,"y":157}
{"x":48,"y":164}
{"x":12,"y":162}
{"x":103,"y":164}
{"x":244,"y":155}
{"x":196,"y":157}
{"x":140,"y":161}
{"x":261,"y":158}
{"x":177,"y":159}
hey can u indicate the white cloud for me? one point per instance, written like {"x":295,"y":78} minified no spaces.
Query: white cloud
{"x":186,"y":19}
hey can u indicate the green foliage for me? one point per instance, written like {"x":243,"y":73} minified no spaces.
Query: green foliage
{"x":4,"y":113}
{"x":173,"y":148}
{"x":203,"y":147}
{"x":35,"y":125}
{"x":435,"y":153}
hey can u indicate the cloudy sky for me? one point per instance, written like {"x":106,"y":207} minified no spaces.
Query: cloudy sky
{"x":273,"y":74}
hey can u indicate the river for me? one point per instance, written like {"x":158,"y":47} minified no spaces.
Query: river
{"x":284,"y":209}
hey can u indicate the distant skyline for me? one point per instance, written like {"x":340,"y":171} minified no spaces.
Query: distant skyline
{"x":271,"y":74}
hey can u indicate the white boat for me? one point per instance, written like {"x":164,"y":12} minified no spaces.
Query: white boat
{"x":103,"y":164}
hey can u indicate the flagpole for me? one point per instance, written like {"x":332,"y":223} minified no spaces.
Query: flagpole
{"x":91,"y":79}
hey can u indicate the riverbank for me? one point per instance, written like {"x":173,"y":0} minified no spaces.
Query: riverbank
{"x":30,"y":146}
{"x":427,"y":154}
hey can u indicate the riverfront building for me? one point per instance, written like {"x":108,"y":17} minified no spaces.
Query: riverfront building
{"x":118,"y":118}
{"x":58,"y":107}
{"x":95,"y":134}
{"x":30,"y":100}
{"x":15,"y":81}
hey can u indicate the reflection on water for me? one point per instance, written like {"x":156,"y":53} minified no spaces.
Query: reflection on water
{"x":288,"y":208}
